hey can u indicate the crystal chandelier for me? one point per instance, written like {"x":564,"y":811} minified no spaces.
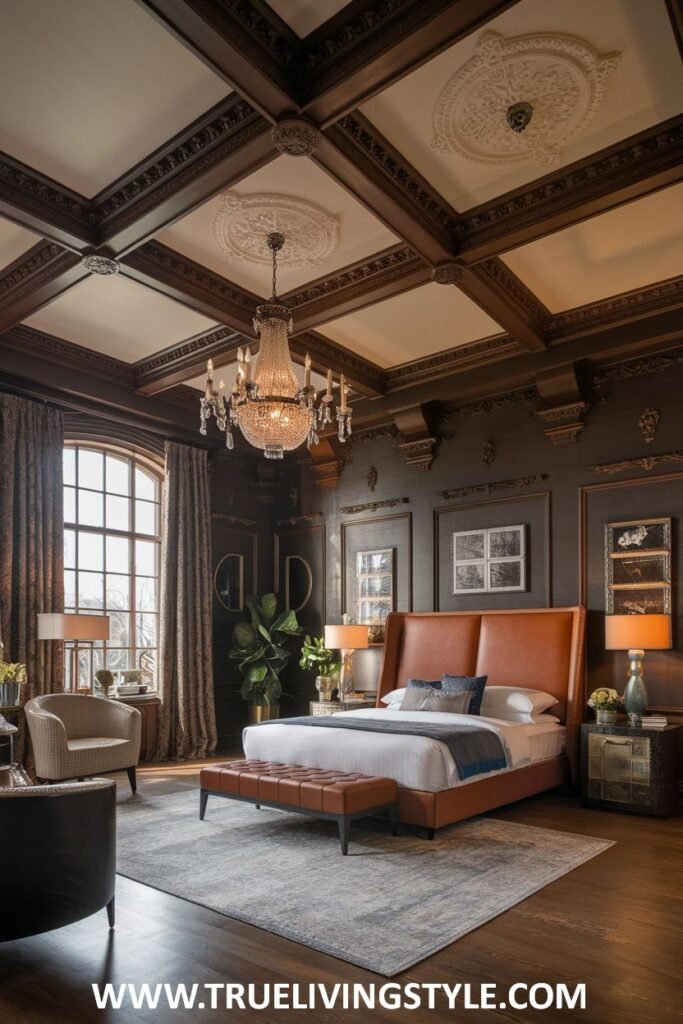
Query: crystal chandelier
{"x":273,"y":412}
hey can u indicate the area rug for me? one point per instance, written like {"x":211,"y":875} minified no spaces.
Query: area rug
{"x":391,"y":902}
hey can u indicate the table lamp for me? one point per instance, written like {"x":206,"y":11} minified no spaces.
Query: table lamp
{"x":79,"y":629}
{"x":346,"y":639}
{"x":637,"y":634}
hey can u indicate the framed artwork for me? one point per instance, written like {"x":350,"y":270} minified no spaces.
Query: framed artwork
{"x":375,"y":586}
{"x":491,"y":560}
{"x":638,"y":567}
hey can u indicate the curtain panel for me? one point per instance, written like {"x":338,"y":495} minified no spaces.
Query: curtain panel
{"x":31,"y":537}
{"x":187,"y":726}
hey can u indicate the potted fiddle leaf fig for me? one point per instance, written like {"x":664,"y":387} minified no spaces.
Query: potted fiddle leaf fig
{"x":326,"y":663}
{"x":261,"y":648}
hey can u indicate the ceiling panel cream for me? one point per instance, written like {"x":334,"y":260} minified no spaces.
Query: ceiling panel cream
{"x":336,"y":232}
{"x":304,"y":15}
{"x":646,"y":87}
{"x":428,"y":319}
{"x":95,"y":87}
{"x":119,"y":317}
{"x":630,"y":247}
{"x":14,"y":241}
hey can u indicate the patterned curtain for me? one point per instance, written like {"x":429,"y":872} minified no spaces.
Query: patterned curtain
{"x":31,"y":537}
{"x":187,"y":726}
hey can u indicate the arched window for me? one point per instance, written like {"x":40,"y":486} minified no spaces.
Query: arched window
{"x":112,"y":526}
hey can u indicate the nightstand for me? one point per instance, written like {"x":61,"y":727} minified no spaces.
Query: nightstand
{"x":627,"y":769}
{"x":333,"y":707}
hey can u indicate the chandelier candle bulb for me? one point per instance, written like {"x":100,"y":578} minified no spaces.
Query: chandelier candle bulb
{"x":329,"y":384}
{"x":247,"y":363}
{"x":307,"y":374}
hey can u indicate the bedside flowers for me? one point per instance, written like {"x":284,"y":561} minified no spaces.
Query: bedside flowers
{"x":12,"y":678}
{"x":606,"y":703}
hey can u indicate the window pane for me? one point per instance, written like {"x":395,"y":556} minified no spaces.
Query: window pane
{"x":117,"y":659}
{"x":145,"y":485}
{"x":90,"y":469}
{"x":118,"y":513}
{"x":70,"y":549}
{"x":70,"y":588}
{"x":146,"y":594}
{"x":89,"y":508}
{"x":119,"y":626}
{"x":118,"y":475}
{"x":118,"y":554}
{"x":90,"y":590}
{"x":69,"y":464}
{"x":118,"y":592}
{"x":145,"y":557}
{"x":91,"y":551}
{"x":69,"y":505}
{"x":146,"y":517}
{"x":146,"y":629}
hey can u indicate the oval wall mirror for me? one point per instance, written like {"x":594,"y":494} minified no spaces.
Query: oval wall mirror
{"x":298,"y":582}
{"x":228,"y":582}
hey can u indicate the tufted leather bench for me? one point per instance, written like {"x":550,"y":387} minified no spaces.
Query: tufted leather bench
{"x":331,"y":795}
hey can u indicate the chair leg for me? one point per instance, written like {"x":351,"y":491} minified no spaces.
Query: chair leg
{"x":344,"y":830}
{"x":132,"y":779}
{"x":203,"y":797}
{"x":111,"y":911}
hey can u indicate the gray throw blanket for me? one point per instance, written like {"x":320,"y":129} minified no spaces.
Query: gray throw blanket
{"x":475,"y":751}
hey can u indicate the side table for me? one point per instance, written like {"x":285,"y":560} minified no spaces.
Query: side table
{"x":630,"y":769}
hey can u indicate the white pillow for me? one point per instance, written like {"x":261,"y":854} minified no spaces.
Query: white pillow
{"x":501,"y":701}
{"x":525,"y":718}
{"x":394,"y":697}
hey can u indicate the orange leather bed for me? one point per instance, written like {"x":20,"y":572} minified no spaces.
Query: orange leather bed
{"x":537,"y":648}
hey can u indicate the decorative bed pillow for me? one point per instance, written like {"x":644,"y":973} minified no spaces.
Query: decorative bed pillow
{"x":433,"y":697}
{"x":502,"y":701}
{"x":467,"y":684}
{"x":394,"y":697}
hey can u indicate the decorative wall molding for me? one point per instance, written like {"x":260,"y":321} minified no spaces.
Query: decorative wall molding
{"x":242,"y":222}
{"x":648,"y":421}
{"x":488,"y":453}
{"x":372,"y":506}
{"x":419,"y":454}
{"x":653,"y":298}
{"x":386,"y":430}
{"x":638,"y":367}
{"x":488,"y":488}
{"x":372,"y":478}
{"x":563,"y":422}
{"x":232,"y":520}
{"x":520,"y":396}
{"x":308,"y":517}
{"x":646,"y":462}
{"x":563,"y":78}
{"x":455,"y":360}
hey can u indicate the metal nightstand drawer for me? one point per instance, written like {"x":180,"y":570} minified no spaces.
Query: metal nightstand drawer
{"x":629,"y":769}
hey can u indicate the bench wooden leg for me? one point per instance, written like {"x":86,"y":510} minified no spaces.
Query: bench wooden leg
{"x":203,"y":797}
{"x":344,"y":830}
{"x":430,"y":833}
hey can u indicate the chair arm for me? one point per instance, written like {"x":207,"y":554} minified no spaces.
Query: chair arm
{"x":46,"y":729}
{"x":123,"y":722}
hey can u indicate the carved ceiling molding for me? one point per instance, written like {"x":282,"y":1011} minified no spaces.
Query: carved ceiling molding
{"x":638,"y":367}
{"x":209,"y":141}
{"x":30,"y":341}
{"x":562,"y":77}
{"x":643,"y":157}
{"x":489,"y":488}
{"x":36,"y":194}
{"x":655,"y":298}
{"x":44,"y":262}
{"x":521,"y":396}
{"x":646,"y":462}
{"x":342,"y":360}
{"x":372,"y":506}
{"x":386,"y":430}
{"x":515,"y":294}
{"x":457,"y":360}
{"x":360,"y":142}
{"x":243,"y":221}
{"x":200,"y":343}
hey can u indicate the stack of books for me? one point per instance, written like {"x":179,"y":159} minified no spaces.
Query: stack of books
{"x":655,"y":722}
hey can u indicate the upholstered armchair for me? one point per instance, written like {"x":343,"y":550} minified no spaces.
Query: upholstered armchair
{"x":57,"y":855}
{"x":75,"y":736}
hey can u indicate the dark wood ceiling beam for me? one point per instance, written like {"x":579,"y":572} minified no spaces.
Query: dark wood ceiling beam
{"x":246,"y":43}
{"x":495,"y":289}
{"x":35,"y":278}
{"x":180,"y":363}
{"x":367,"y":46}
{"x":629,"y":170}
{"x":363,"y":376}
{"x":227,"y":143}
{"x":44,"y":206}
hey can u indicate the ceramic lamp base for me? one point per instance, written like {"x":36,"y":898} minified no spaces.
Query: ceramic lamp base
{"x":635,"y":694}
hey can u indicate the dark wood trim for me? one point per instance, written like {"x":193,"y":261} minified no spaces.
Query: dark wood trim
{"x":367,"y":46}
{"x":297,"y":531}
{"x":365,"y":377}
{"x":675,"y":11}
{"x":36,"y":277}
{"x":616,"y":310}
{"x":67,"y":354}
{"x":495,"y":289}
{"x":350,"y":523}
{"x":628,"y":170}
{"x":44,"y":206}
{"x":468,"y":506}
{"x":181,"y":362}
{"x":452,"y":361}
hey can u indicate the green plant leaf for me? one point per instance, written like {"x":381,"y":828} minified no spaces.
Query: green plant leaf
{"x":264,"y":633}
{"x":287,"y":623}
{"x":243,"y":635}
{"x":268,"y":608}
{"x":257,"y":673}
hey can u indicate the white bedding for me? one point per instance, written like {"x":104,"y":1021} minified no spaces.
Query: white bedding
{"x":416,"y":762}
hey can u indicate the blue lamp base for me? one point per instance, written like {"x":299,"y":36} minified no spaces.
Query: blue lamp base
{"x":635,"y":694}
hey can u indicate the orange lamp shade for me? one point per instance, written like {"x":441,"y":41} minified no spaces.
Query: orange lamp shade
{"x":637,"y":632}
{"x":346,"y":638}
{"x":52,"y":626}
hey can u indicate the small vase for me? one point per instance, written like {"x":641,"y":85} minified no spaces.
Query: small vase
{"x":10,"y":694}
{"x":325,"y":687}
{"x":605,"y":716}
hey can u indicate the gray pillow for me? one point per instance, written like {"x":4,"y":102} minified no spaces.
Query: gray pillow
{"x":466,"y":684}
{"x":435,"y":698}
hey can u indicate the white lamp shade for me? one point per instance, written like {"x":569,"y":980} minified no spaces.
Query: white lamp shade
{"x":637,"y":632}
{"x":346,"y":638}
{"x":73,"y":627}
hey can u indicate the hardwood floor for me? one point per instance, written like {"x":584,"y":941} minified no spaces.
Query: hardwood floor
{"x":614,"y":923}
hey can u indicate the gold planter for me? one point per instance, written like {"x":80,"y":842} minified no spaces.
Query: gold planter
{"x":263,"y":713}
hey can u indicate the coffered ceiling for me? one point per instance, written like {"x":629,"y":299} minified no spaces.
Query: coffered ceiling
{"x":426,"y":240}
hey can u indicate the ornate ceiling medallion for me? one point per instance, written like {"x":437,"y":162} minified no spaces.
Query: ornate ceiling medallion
{"x":295,"y":137}
{"x":311,"y":233}
{"x":560,"y":79}
{"x":100,"y":265}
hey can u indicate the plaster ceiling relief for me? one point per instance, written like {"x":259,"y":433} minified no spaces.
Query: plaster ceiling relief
{"x":244,"y":221}
{"x":562,"y":78}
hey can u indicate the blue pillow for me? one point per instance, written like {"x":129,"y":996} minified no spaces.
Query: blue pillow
{"x":456,"y":684}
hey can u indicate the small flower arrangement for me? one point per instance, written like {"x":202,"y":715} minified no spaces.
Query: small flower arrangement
{"x":605,"y":699}
{"x":12,"y":672}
